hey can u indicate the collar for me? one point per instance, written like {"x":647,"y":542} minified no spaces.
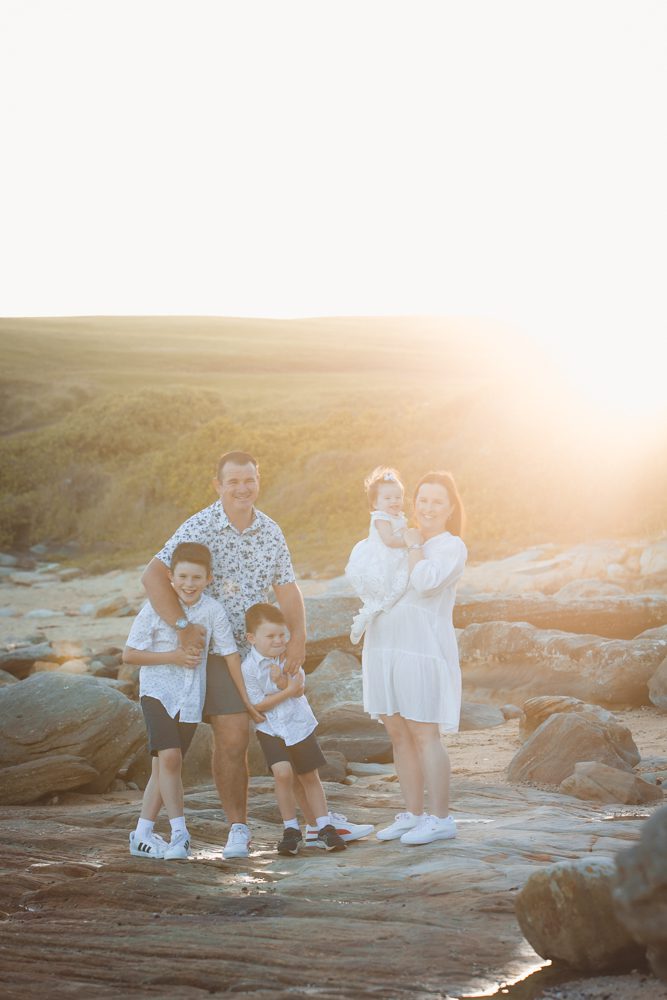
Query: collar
{"x":191,"y":607}
{"x":226,"y":523}
{"x":259,"y":658}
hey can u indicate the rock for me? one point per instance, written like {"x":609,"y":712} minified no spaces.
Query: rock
{"x":19,"y":661}
{"x":7,"y":678}
{"x":329,"y":621}
{"x":566,"y":914}
{"x":640,"y":893}
{"x":611,"y":617}
{"x":551,"y":752}
{"x":362,"y":770}
{"x":50,"y":721}
{"x":657,"y":687}
{"x":74,"y":667}
{"x":70,"y":573}
{"x":516,"y":658}
{"x":512,"y":711}
{"x":8,"y":560}
{"x":601,"y":783}
{"x":577,"y":589}
{"x":335,"y":768}
{"x":476,"y":716}
{"x":197,"y":761}
{"x":347,"y":729}
{"x":8,"y":611}
{"x":336,"y":679}
{"x":70,"y":649}
{"x":111,"y":606}
{"x":537,"y":710}
{"x":41,"y":613}
{"x":653,"y":559}
{"x":129,"y":673}
{"x":28,"y":578}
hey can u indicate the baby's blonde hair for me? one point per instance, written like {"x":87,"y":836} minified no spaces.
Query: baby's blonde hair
{"x":375,"y":479}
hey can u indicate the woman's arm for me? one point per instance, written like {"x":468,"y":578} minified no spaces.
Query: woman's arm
{"x":440,"y":569}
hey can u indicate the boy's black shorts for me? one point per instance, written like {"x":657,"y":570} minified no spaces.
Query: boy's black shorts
{"x":165,"y":733}
{"x":222,"y":694}
{"x":304,"y":756}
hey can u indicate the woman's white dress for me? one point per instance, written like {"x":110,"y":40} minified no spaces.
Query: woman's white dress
{"x":378,"y":573}
{"x":410,"y":660}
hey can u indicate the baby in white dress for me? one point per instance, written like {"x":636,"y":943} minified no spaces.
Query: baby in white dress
{"x":378,"y":565}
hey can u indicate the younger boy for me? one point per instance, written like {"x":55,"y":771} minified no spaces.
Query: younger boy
{"x":172,"y":690}
{"x":287,"y":735}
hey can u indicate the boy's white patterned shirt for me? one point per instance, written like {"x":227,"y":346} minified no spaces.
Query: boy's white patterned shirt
{"x":245,"y":564}
{"x":292,"y":720}
{"x":180,"y":689}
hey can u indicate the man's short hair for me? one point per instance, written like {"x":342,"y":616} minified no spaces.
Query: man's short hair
{"x":191,"y":552}
{"x":260,"y":613}
{"x":237,"y":458}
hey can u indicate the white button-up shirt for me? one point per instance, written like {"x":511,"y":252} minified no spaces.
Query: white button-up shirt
{"x":180,"y":689}
{"x":291,"y":720}
{"x":245,"y":564}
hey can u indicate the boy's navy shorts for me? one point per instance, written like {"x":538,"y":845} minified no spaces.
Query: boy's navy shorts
{"x":222,"y":694}
{"x":165,"y":733}
{"x":304,"y":756}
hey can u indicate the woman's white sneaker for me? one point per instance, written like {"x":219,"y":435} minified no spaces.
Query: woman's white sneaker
{"x":430,"y":828}
{"x":402,"y":823}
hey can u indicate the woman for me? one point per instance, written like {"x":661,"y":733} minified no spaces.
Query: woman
{"x":411,"y":675}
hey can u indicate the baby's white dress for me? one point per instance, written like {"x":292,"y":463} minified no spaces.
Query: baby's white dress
{"x":378,"y":573}
{"x":410,"y":660}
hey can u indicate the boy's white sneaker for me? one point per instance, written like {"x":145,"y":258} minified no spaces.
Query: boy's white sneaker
{"x":178,"y":847}
{"x":238,"y":842}
{"x":430,"y":828}
{"x":402,"y":823}
{"x":344,"y":828}
{"x":152,"y":846}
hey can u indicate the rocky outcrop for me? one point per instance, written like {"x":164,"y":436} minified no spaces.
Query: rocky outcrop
{"x":620,"y":617}
{"x":657,"y":687}
{"x":476,"y":716}
{"x":538,"y":710}
{"x":517,"y":659}
{"x":640,"y":893}
{"x":566,"y":913}
{"x":601,"y":783}
{"x":59,"y":732}
{"x":18,"y":660}
{"x":563,"y":740}
{"x":329,"y":621}
{"x":347,"y":729}
{"x":336,"y":679}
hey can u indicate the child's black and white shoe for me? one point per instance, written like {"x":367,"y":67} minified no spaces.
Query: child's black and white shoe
{"x":152,"y":846}
{"x":178,"y":847}
{"x":290,"y":842}
{"x":329,"y":838}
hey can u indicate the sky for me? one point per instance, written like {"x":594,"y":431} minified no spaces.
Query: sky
{"x":288,"y":158}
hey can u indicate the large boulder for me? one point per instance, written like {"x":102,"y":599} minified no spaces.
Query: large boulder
{"x":329,"y":621}
{"x":19,"y":660}
{"x":640,"y":893}
{"x":566,"y":913}
{"x":537,"y":710}
{"x":653,"y":560}
{"x":543,"y":569}
{"x":549,"y":755}
{"x":613,"y":617}
{"x":657,"y":687}
{"x":477,"y":716}
{"x":347,"y":729}
{"x":60,"y":732}
{"x":601,"y":783}
{"x":522,"y":661}
{"x":336,"y":679}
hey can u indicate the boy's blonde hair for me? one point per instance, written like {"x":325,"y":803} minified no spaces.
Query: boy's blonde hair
{"x":375,"y":479}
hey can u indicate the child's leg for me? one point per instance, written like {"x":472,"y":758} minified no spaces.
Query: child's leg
{"x":152,"y":800}
{"x":302,"y":801}
{"x":169,"y":781}
{"x":283,"y":776}
{"x":315,"y":799}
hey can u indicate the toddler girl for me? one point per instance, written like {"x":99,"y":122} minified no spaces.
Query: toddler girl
{"x":378,"y":565}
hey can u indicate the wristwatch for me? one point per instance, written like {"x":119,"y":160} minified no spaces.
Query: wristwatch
{"x":181,"y":623}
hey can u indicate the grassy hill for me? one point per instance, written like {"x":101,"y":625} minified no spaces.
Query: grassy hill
{"x":111,"y":428}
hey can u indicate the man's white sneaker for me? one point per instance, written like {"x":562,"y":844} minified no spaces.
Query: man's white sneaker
{"x":238,"y":842}
{"x":178,"y":847}
{"x":403,"y":822}
{"x":152,"y":846}
{"x":431,"y":828}
{"x":348,"y":831}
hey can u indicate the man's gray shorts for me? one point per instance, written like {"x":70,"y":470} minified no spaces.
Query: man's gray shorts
{"x":222,"y":694}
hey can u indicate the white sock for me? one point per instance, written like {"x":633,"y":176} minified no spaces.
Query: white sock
{"x":291,"y":824}
{"x":144,"y":828}
{"x":323,"y":821}
{"x":178,"y":825}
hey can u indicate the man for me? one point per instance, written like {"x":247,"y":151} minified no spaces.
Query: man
{"x":249,"y":557}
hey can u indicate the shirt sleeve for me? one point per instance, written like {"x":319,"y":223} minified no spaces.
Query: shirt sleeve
{"x":379,"y":515}
{"x":441,"y":569}
{"x":283,"y":571}
{"x":222,"y":637}
{"x":252,"y":685}
{"x":192,"y":530}
{"x":142,"y":631}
